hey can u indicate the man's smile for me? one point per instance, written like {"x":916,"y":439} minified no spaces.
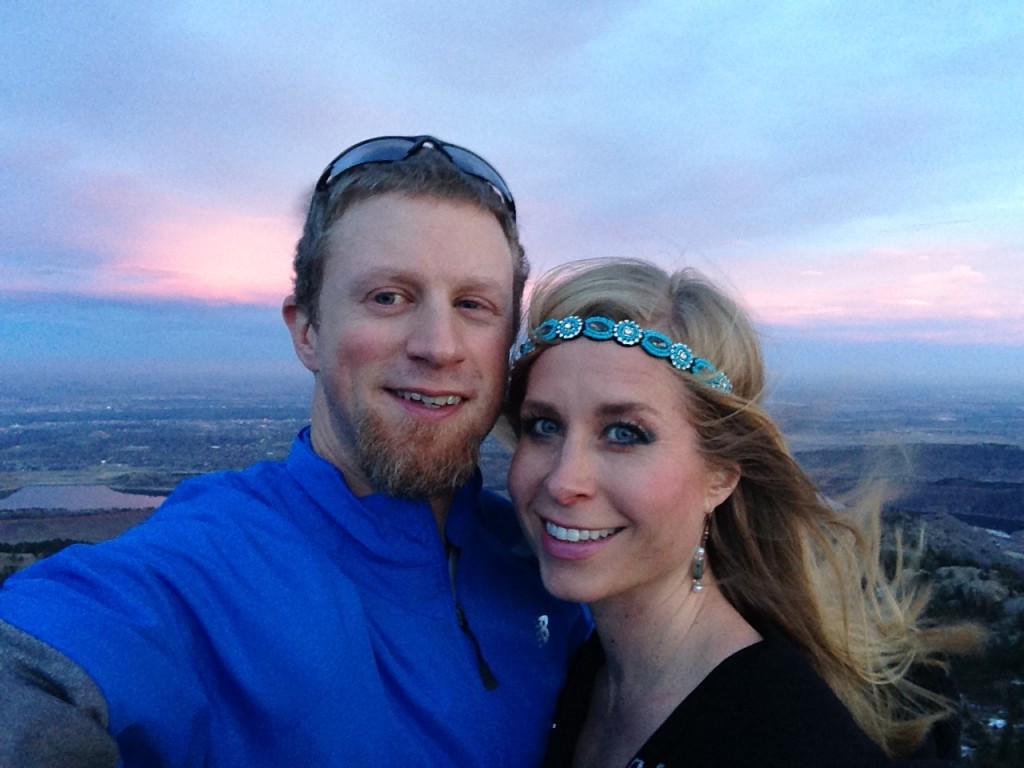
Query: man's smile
{"x":432,"y":401}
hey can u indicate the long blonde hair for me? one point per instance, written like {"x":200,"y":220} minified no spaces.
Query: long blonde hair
{"x":778,"y":550}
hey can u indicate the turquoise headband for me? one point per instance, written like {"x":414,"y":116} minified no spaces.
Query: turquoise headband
{"x":627,"y":333}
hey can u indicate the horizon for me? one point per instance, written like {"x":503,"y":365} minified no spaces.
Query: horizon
{"x":815,"y":369}
{"x":851,"y":173}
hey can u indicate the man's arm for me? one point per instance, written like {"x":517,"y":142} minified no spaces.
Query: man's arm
{"x":51,"y":711}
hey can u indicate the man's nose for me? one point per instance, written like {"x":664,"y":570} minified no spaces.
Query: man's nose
{"x":436,"y":336}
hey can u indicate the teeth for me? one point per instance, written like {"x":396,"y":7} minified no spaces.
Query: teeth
{"x":433,"y":402}
{"x":579,"y":534}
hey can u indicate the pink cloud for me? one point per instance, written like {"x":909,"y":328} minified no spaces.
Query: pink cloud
{"x":211,"y":255}
{"x":145,"y":242}
{"x":890,"y":286}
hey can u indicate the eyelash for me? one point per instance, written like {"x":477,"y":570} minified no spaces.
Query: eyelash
{"x":637,"y":435}
{"x":393,"y":298}
{"x":530,"y":425}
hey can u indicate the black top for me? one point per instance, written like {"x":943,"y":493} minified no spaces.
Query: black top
{"x":762,"y":706}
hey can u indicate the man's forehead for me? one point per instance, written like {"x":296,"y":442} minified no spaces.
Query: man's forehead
{"x":394,"y":237}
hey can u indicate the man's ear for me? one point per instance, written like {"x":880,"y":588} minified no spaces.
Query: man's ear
{"x":304,"y":337}
{"x":722,"y":482}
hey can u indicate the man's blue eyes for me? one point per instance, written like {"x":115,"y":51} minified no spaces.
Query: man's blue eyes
{"x":391,"y":298}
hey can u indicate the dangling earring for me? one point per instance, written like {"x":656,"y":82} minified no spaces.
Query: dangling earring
{"x":698,"y":557}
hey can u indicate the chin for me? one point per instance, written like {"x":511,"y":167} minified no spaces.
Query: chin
{"x":569,"y":587}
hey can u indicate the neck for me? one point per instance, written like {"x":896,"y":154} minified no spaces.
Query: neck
{"x":656,"y":637}
{"x":440,"y":507}
{"x":659,"y":646}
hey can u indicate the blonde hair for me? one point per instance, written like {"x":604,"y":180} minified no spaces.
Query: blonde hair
{"x":778,"y":550}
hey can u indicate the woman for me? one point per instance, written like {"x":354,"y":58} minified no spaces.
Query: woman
{"x":739,"y":619}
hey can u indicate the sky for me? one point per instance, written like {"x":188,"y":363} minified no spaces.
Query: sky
{"x":853,"y":172}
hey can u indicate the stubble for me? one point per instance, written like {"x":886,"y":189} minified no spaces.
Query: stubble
{"x":418,"y":461}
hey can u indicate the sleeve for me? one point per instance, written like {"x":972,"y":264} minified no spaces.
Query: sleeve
{"x":51,"y":711}
{"x":117,"y":611}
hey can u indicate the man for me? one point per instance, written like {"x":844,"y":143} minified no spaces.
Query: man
{"x":363,"y":602}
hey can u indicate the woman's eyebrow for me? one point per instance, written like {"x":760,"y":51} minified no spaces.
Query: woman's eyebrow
{"x":537,"y":406}
{"x":626,"y":407}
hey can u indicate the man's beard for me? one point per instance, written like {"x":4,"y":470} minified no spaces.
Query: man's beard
{"x":419,"y":461}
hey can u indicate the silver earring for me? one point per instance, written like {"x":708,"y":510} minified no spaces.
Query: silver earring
{"x":699,"y":556}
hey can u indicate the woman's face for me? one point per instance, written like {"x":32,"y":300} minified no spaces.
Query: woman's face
{"x":606,"y":479}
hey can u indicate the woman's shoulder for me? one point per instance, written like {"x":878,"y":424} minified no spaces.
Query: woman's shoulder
{"x":764,"y":705}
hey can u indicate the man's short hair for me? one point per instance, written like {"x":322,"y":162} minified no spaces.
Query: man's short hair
{"x":427,"y":173}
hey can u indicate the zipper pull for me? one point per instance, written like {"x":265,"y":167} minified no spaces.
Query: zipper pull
{"x":486,"y":675}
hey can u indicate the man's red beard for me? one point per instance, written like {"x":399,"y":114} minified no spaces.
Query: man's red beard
{"x":418,"y":461}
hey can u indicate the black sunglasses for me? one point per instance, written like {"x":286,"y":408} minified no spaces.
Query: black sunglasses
{"x":391,"y":149}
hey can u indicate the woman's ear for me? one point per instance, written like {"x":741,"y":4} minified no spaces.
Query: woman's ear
{"x":722,"y":482}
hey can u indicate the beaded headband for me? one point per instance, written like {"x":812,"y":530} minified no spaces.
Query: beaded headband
{"x":627,"y":333}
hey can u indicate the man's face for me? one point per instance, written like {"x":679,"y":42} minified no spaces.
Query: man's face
{"x":411,"y":351}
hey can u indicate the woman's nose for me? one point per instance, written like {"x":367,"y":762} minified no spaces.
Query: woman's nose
{"x":571,"y":478}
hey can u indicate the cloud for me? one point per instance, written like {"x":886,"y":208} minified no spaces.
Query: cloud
{"x":108,"y":235}
{"x":840,"y":165}
{"x":221,"y":255}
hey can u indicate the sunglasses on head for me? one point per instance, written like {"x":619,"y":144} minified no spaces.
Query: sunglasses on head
{"x":391,"y":149}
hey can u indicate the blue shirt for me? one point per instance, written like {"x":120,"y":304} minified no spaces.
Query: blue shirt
{"x":269,"y":618}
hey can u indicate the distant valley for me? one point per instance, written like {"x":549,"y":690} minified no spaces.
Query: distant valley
{"x":951,"y":459}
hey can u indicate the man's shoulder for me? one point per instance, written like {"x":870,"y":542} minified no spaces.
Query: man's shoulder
{"x":494,"y":507}
{"x":219,"y":510}
{"x":498,"y":524}
{"x":272,"y":482}
{"x":256,"y":484}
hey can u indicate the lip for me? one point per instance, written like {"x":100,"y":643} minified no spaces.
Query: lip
{"x":572,"y":543}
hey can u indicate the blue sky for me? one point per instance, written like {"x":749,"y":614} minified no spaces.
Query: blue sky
{"x":853,"y":171}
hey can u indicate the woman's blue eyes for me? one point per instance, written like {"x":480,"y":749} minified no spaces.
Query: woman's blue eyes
{"x":540,"y":427}
{"x":620,"y":433}
{"x":627,"y":434}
